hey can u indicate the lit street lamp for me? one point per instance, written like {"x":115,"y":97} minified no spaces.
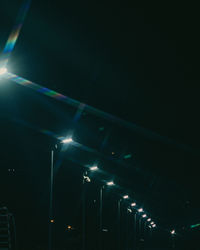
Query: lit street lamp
{"x":3,"y":71}
{"x":110,"y":183}
{"x":86,"y":179}
{"x":133,"y":204}
{"x":125,"y":196}
{"x":65,"y":141}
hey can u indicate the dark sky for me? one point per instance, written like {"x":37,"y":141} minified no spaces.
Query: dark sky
{"x":138,"y":63}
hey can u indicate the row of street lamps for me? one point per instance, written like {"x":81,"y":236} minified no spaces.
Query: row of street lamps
{"x":68,"y":140}
{"x":132,"y":206}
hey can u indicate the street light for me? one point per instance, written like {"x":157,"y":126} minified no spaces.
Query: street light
{"x":3,"y":70}
{"x":65,"y":141}
{"x":149,"y":219}
{"x":144,"y":215}
{"x":173,"y":232}
{"x":133,"y":204}
{"x":140,"y":210}
{"x":93,"y":168}
{"x":152,"y":223}
{"x":125,"y":197}
{"x":110,"y":183}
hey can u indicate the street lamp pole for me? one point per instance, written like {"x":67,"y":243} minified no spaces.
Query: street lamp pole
{"x":100,"y":216}
{"x":119,"y":222}
{"x":51,"y":220}
{"x":51,"y":200}
{"x":83,"y":216}
{"x":135,"y":230}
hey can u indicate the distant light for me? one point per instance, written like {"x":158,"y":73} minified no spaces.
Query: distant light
{"x":173,"y":231}
{"x":113,"y":153}
{"x":87,"y":178}
{"x":133,"y":204}
{"x":129,"y":210}
{"x":69,"y":227}
{"x":125,"y":196}
{"x":105,"y":230}
{"x":140,"y":210}
{"x":52,"y":221}
{"x":144,"y":215}
{"x":3,"y":71}
{"x":110,"y":183}
{"x":67,"y":140}
{"x":93,"y":168}
{"x":149,"y":219}
{"x":152,"y":223}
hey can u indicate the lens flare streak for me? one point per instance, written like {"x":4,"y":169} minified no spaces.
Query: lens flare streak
{"x":99,"y":113}
{"x":12,"y":39}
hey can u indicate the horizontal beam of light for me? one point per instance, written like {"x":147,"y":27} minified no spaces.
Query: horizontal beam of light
{"x":12,"y":39}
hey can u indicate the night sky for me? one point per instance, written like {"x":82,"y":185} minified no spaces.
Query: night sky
{"x":140,"y":64}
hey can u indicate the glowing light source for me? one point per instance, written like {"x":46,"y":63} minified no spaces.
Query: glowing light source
{"x":93,"y":168}
{"x":173,"y":231}
{"x":140,"y":210}
{"x":133,"y":204}
{"x":67,"y":140}
{"x":110,"y":183}
{"x":149,"y":219}
{"x":52,"y":221}
{"x":144,"y":215}
{"x":3,"y":71}
{"x":125,"y":196}
{"x":152,"y":223}
{"x":86,"y":178}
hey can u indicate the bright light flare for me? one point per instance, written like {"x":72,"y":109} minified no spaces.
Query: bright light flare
{"x":125,"y":196}
{"x":110,"y":183}
{"x":173,"y":231}
{"x":133,"y":204}
{"x":3,"y":71}
{"x":93,"y":168}
{"x":67,"y":140}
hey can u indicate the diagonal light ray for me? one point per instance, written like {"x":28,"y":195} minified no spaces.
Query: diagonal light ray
{"x":12,"y":39}
{"x":99,"y":113}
